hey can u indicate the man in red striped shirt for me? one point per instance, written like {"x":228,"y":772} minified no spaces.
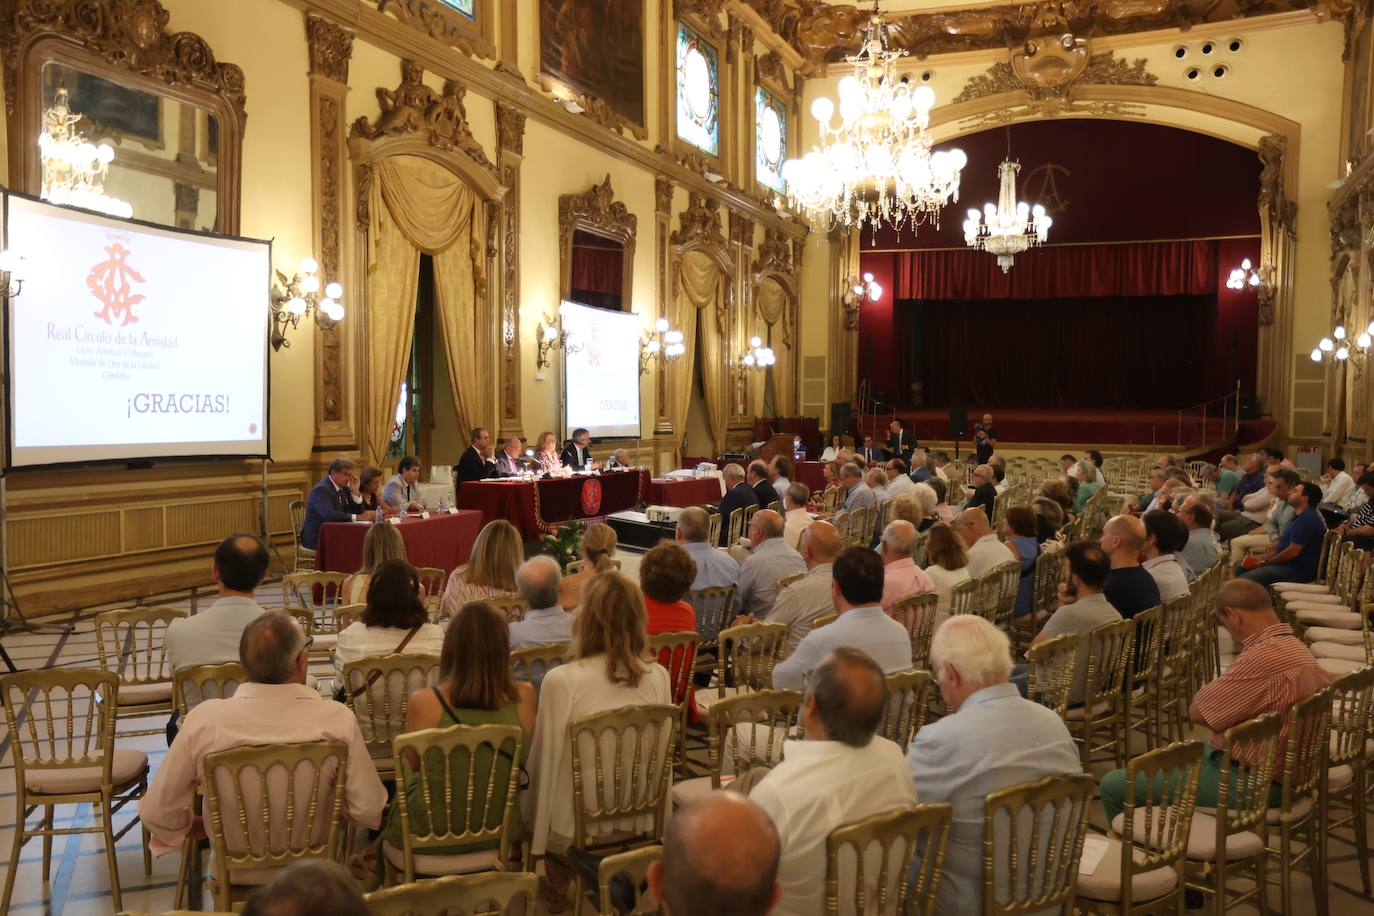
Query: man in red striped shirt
{"x":1273,"y":671}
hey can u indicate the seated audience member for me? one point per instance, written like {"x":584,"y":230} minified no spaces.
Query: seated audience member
{"x":1272,"y":673}
{"x":1336,"y":486}
{"x":799,"y":604}
{"x":1049,"y":518}
{"x":1165,"y":538}
{"x":1068,"y":464}
{"x":1151,"y":500}
{"x":1355,"y":500}
{"x":832,"y":451}
{"x":1275,"y":458}
{"x":489,"y":572}
{"x":1360,"y":528}
{"x":510,"y":461}
{"x":599,"y":542}
{"x":546,"y":453}
{"x":984,"y":549}
{"x":1024,"y":548}
{"x":310,"y":887}
{"x":394,"y":621}
{"x":1251,"y":479}
{"x":1279,"y":485}
{"x":946,"y":564}
{"x":665,"y":574}
{"x":334,"y":499}
{"x":608,"y":669}
{"x":757,"y":478}
{"x":870,"y":451}
{"x":943,"y":510}
{"x":841,"y":772}
{"x":1094,"y":457}
{"x":577,"y":453}
{"x":715,"y":568}
{"x":1058,"y":491}
{"x":274,"y":707}
{"x":1294,"y":558}
{"x":1172,"y":494}
{"x":876,"y":479}
{"x":1201,"y":550}
{"x":1250,"y":505}
{"x":540,"y":583}
{"x":212,"y":636}
{"x":901,"y":576}
{"x":1082,"y":607}
{"x":720,"y":855}
{"x":1130,"y":588}
{"x":898,"y":480}
{"x":857,"y":591}
{"x":999,"y":473}
{"x":381,"y":543}
{"x":769,"y":560}
{"x":1225,"y":477}
{"x":619,"y":460}
{"x":797,"y":518}
{"x":984,"y":490}
{"x":857,"y":493}
{"x":1087,"y":486}
{"x":402,"y":491}
{"x":739,"y":495}
{"x":370,"y":493}
{"x":477,"y":462}
{"x":922,"y":466}
{"x":992,"y":739}
{"x":475,"y":688}
{"x":918,"y":506}
{"x":780,"y":476}
{"x":947,"y":470}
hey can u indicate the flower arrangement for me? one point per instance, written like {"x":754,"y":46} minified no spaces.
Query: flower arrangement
{"x":565,"y":544}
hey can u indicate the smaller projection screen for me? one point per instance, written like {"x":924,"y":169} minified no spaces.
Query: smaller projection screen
{"x":601,"y":371}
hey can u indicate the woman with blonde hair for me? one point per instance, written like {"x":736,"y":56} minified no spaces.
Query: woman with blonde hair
{"x":490,"y":571}
{"x":546,"y":452}
{"x":598,"y":555}
{"x":1087,"y":485}
{"x":946,"y":564}
{"x":381,"y":543}
{"x":607,"y":669}
{"x":921,"y":512}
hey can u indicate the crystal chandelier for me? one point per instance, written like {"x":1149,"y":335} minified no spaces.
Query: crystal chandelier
{"x":877,"y":165}
{"x":1007,"y":227}
{"x":757,"y":356}
{"x":73,"y":168}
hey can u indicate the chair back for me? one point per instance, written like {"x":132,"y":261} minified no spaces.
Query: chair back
{"x":1329,"y":542}
{"x":1352,"y":701}
{"x":432,"y":582}
{"x":789,"y":579}
{"x":622,"y":767}
{"x":297,"y":510}
{"x":1154,"y":830}
{"x":908,"y":698}
{"x":1109,"y":649}
{"x":492,"y":893}
{"x":345,"y":615}
{"x":319,"y":592}
{"x":191,"y":686}
{"x":713,"y":538}
{"x":1032,"y":841}
{"x":714,"y":609}
{"x":378,"y":688}
{"x":821,"y":620}
{"x":1308,"y":746}
{"x":963,"y":598}
{"x":1249,"y":754}
{"x":868,"y":862}
{"x":1176,"y":636}
{"x":1050,"y":570}
{"x":1053,"y":664}
{"x":830,"y":499}
{"x":677,"y":653}
{"x":859,"y":526}
{"x":634,"y":867}
{"x":61,"y":719}
{"x":748,"y":653}
{"x":133,"y":644}
{"x":736,"y":525}
{"x":469,"y":780}
{"x":270,"y":805}
{"x":997,"y":593}
{"x":1145,"y":650}
{"x":533,"y":662}
{"x":512,"y":607}
{"x":748,"y":730}
{"x":917,"y":614}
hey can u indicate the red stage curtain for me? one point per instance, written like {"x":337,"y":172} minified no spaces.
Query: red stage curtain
{"x":1134,"y":269}
{"x":1121,"y":352}
{"x":598,"y":270}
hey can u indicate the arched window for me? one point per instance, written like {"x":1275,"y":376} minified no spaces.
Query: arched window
{"x":770,"y":138}
{"x":698,"y":91}
{"x":467,"y":7}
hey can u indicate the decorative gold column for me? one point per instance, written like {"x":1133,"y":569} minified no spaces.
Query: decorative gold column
{"x":665,"y":449}
{"x":510,"y":143}
{"x":331,"y":46}
{"x":844,"y":341}
{"x":1278,"y":250}
{"x":745,"y":385}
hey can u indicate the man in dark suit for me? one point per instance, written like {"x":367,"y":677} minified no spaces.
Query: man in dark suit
{"x":757,"y":479}
{"x":870,"y":452}
{"x":510,"y":462}
{"x":576,"y":454}
{"x":984,"y":490}
{"x":899,"y":444}
{"x":738,"y":495}
{"x":477,"y":462}
{"x":333,"y":499}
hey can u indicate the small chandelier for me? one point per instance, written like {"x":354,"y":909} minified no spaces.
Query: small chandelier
{"x":877,"y":165}
{"x":663,"y":344}
{"x":550,"y":336}
{"x":1007,"y":227}
{"x":757,"y":356}
{"x":1243,"y":276}
{"x":299,"y":297}
{"x":856,"y":291}
{"x":74,"y":169}
{"x":1337,"y":347}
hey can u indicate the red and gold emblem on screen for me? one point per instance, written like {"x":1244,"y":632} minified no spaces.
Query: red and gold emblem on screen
{"x":112,"y":282}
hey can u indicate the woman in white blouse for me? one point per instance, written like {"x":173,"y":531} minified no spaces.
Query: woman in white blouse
{"x":394,"y":620}
{"x":490,"y":571}
{"x":946,"y":564}
{"x":607,"y":670}
{"x":382,"y":543}
{"x":1165,"y":533}
{"x":832,"y":451}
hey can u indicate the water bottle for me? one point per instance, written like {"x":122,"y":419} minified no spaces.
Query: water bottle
{"x":443,"y":502}
{"x":378,"y":519}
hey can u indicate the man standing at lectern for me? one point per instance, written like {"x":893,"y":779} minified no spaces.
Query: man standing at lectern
{"x":899,"y":444}
{"x":333,"y":499}
{"x":576,"y":454}
{"x":477,"y":462}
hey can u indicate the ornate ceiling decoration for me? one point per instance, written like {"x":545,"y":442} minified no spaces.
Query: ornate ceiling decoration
{"x":413,"y":107}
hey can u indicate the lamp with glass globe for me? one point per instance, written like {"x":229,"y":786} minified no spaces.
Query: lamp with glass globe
{"x":302,"y":295}
{"x":1337,"y":348}
{"x":662,"y":343}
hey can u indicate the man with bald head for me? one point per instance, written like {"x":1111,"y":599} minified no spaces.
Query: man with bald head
{"x":797,"y":519}
{"x":799,"y":604}
{"x":984,"y":550}
{"x":1130,"y":588}
{"x":769,"y":560}
{"x":715,"y":568}
{"x":840,"y":773}
{"x":984,"y":490}
{"x":1273,"y":673}
{"x":901,"y":576}
{"x":720,"y":856}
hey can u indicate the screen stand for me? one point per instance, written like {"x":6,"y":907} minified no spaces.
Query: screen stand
{"x":7,"y":597}
{"x":265,"y":530}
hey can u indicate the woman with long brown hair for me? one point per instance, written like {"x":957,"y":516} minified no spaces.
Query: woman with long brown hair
{"x":394,"y":620}
{"x":946,"y":564}
{"x":381,"y":543}
{"x":490,"y":571}
{"x":598,"y":555}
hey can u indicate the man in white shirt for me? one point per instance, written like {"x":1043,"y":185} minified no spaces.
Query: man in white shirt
{"x":984,"y":550}
{"x":992,"y":739}
{"x":779,"y":472}
{"x":1165,"y":537}
{"x":545,"y":623}
{"x":769,"y":560}
{"x":720,"y":855}
{"x":799,"y":604}
{"x":402,"y":492}
{"x":797,"y":519}
{"x":877,"y":482}
{"x":857,"y":591}
{"x":999,"y":473}
{"x":715,"y":567}
{"x":840,"y":773}
{"x":898,"y":480}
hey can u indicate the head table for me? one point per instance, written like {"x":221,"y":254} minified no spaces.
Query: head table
{"x":442,"y":540}
{"x":535,"y":507}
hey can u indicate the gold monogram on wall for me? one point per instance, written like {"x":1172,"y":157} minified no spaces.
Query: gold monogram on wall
{"x":413,"y":107}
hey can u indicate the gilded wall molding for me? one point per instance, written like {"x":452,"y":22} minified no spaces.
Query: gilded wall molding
{"x":1103,"y":68}
{"x":510,"y":142}
{"x":413,"y":107}
{"x":446,"y":25}
{"x":331,"y":48}
{"x":596,"y":210}
{"x":510,"y":128}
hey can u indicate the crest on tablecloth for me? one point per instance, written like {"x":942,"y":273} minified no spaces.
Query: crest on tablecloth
{"x":591,"y":496}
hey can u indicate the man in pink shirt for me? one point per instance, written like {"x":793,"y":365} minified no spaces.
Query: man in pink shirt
{"x":901,"y":576}
{"x":274,"y":707}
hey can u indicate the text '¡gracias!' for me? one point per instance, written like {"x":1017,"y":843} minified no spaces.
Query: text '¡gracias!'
{"x":178,"y":403}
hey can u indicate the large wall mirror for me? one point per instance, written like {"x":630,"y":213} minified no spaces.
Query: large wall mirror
{"x":597,"y":248}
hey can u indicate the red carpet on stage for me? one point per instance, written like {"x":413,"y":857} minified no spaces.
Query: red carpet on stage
{"x":1091,"y":428}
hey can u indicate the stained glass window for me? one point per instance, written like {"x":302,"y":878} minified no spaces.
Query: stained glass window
{"x":466,"y":7}
{"x":770,"y":138}
{"x":698,"y":91}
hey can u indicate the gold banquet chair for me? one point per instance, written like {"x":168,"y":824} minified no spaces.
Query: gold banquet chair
{"x":714,"y":609}
{"x":908,"y":700}
{"x":963,"y":598}
{"x":821,"y":620}
{"x":1140,"y":677}
{"x":451,"y":765}
{"x":299,"y":591}
{"x":347,"y":614}
{"x":745,"y":658}
{"x":1052,"y":668}
{"x":303,"y":559}
{"x":1032,"y":842}
{"x":744,"y":732}
{"x":62,"y":724}
{"x":1348,"y":767}
{"x":432,"y":583}
{"x":490,"y":894}
{"x":133,"y":645}
{"x":788,"y":580}
{"x":917,"y":614}
{"x":533,"y":662}
{"x":512,"y":607}
{"x":377,"y":688}
{"x":634,"y":867}
{"x":298,"y":816}
{"x":851,"y":857}
{"x":1109,"y":650}
{"x":677,"y":653}
{"x":1301,"y":815}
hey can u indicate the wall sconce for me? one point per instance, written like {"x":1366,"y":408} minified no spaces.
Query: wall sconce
{"x":663,"y":343}
{"x":11,"y":274}
{"x":1243,"y":276}
{"x":299,"y":297}
{"x":757,"y":356}
{"x":856,"y":291}
{"x":551,"y":336}
{"x":1337,"y":348}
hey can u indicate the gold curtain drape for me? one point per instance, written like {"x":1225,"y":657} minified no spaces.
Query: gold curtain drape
{"x":418,"y":206}
{"x":699,"y":291}
{"x":771,"y":300}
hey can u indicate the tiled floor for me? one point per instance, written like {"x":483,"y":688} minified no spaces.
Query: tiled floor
{"x":79,"y":881}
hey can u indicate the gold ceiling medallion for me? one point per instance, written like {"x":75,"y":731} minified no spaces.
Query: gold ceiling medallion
{"x":413,"y":107}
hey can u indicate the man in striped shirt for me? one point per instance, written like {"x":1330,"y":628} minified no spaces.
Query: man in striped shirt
{"x":1273,"y":671}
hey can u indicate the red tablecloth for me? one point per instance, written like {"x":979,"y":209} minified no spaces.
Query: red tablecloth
{"x":809,"y":473}
{"x":683,"y":491}
{"x":444,"y":541}
{"x":537,"y":506}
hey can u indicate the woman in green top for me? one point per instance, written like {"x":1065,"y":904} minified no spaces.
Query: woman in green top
{"x":475,"y":688}
{"x":1087,"y":485}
